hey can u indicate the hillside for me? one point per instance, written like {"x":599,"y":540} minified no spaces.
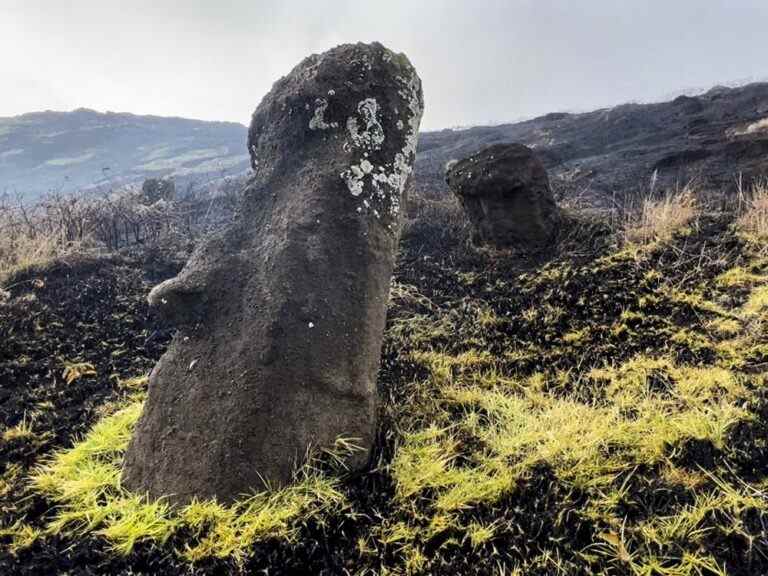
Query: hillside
{"x":711,"y":137}
{"x":69,"y":151}
{"x":595,"y":406}
{"x":592,"y":410}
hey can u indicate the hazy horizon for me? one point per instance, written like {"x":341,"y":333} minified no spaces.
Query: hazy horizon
{"x":488,"y":64}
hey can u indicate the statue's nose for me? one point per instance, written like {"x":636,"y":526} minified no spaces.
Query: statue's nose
{"x":180,"y":301}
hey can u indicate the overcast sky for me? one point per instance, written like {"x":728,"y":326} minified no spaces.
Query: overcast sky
{"x":481,"y":61}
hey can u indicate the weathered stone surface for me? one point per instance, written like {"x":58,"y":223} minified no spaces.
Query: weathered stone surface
{"x":505,"y":192}
{"x":282,"y":314}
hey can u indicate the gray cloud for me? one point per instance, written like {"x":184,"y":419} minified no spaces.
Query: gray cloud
{"x":482,"y":61}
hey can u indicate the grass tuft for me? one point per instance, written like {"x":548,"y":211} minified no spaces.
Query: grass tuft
{"x":85,"y":483}
{"x":76,"y":370}
{"x":659,"y":220}
{"x":753,"y":221}
{"x":20,"y":252}
{"x":21,"y":536}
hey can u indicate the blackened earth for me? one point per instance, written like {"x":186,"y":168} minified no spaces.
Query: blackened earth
{"x":95,"y":311}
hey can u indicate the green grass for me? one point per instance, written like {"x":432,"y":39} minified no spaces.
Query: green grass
{"x":483,"y":429}
{"x":84,"y":482}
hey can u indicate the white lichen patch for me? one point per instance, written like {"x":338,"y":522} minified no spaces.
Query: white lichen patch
{"x":371,"y":137}
{"x":317,"y":122}
{"x":382,"y":186}
{"x":354,"y":183}
{"x":403,"y":167}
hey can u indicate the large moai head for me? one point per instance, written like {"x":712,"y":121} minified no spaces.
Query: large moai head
{"x":352,"y":115}
{"x":282,"y":314}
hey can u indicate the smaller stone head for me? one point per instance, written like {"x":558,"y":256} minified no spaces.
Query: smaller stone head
{"x":505,"y":192}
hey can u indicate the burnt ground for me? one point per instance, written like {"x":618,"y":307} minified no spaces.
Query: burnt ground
{"x":94,"y":311}
{"x":78,"y":310}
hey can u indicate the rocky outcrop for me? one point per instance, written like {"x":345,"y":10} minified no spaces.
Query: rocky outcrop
{"x":282,"y":314}
{"x":505,"y":192}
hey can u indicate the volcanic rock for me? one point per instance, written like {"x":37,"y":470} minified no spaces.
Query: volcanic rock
{"x":282,"y":314}
{"x":505,"y":192}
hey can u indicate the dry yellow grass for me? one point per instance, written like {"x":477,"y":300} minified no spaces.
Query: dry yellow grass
{"x":753,"y":220}
{"x":658,"y":220}
{"x":18,"y":252}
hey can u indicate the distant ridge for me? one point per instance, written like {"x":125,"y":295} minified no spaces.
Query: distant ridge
{"x":82,"y":149}
{"x":712,"y":138}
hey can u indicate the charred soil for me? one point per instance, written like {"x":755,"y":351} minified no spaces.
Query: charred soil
{"x":590,"y":409}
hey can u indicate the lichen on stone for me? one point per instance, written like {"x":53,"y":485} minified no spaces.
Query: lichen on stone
{"x":317,"y":122}
{"x":372,"y":136}
{"x":385,"y":183}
